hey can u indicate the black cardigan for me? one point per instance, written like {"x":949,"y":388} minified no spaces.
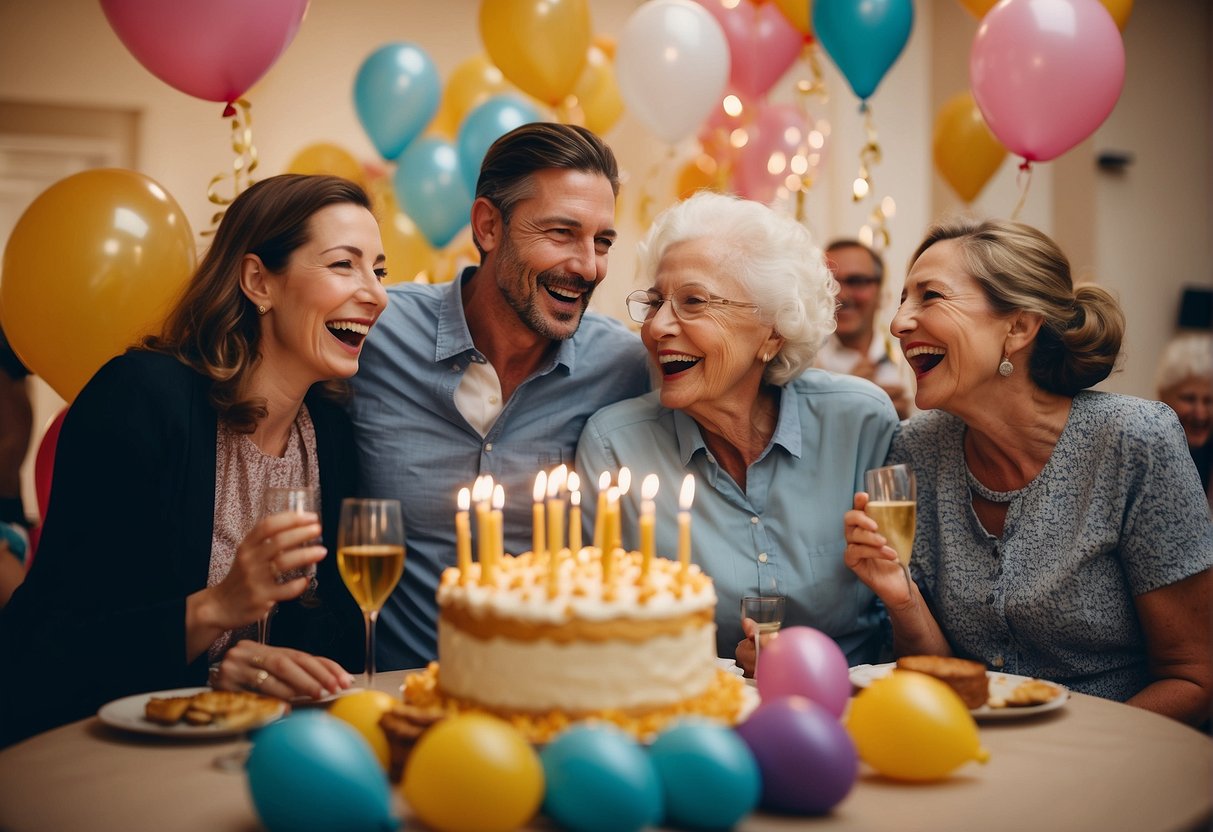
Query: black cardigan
{"x":127,"y":536}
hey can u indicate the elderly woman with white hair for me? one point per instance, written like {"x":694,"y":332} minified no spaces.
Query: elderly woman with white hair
{"x":740,"y":300}
{"x":1185,"y":384}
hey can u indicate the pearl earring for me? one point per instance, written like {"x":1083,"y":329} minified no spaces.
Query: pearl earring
{"x":1005,"y":368}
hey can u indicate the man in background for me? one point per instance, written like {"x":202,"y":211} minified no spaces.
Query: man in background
{"x":857,"y":347}
{"x":496,"y":372}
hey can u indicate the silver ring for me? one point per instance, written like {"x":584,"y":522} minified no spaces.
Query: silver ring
{"x":261,"y":677}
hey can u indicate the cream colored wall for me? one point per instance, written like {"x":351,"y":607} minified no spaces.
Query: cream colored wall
{"x":1147,"y":236}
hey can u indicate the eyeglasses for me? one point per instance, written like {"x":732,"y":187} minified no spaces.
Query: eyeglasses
{"x":689,"y":302}
{"x":858,"y":281}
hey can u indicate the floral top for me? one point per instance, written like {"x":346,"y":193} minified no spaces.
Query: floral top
{"x":1116,"y":512}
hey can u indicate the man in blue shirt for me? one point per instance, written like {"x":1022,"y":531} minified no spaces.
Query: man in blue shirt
{"x":497,"y":372}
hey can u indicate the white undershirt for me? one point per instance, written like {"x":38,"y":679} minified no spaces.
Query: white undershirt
{"x":478,"y":396}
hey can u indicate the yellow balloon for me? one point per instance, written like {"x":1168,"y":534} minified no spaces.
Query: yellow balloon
{"x":911,"y":726}
{"x":92,"y":266}
{"x":471,"y":84}
{"x":409,"y":255}
{"x":1119,"y":9}
{"x":799,"y":13}
{"x":597,"y":93}
{"x":978,"y":8}
{"x":540,"y":45}
{"x":965,"y":151}
{"x":363,"y":710}
{"x":473,"y":773}
{"x":701,"y":173}
{"x":323,"y":157}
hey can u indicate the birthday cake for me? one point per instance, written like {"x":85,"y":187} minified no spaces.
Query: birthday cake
{"x":544,"y":648}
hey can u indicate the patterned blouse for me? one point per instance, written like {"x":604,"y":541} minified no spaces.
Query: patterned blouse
{"x":1116,"y":512}
{"x":242,"y":473}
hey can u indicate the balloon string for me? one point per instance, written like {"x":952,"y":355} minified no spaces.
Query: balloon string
{"x":242,"y":166}
{"x":647,"y":210}
{"x":1024,"y":180}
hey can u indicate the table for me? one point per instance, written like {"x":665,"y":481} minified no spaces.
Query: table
{"x":1091,"y":765}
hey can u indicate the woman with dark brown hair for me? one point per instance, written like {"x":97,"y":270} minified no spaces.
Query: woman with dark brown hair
{"x":155,"y":564}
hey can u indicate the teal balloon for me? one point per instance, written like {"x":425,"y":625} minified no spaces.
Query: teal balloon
{"x":430,"y":189}
{"x":863,"y":37}
{"x":600,"y":780}
{"x":708,"y":774}
{"x":396,"y":94}
{"x":312,"y":772}
{"x":485,"y":125}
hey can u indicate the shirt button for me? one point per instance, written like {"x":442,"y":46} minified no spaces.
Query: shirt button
{"x":762,"y":557}
{"x":998,"y":661}
{"x":754,"y":521}
{"x":488,"y":447}
{"x":493,"y":400}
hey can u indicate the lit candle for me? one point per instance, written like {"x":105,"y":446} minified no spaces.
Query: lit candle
{"x":608,"y":533}
{"x":648,"y":516}
{"x":685,"y":498}
{"x":604,"y":482}
{"x":541,"y":487}
{"x":482,"y":489}
{"x":555,"y":525}
{"x":624,"y":481}
{"x":574,"y":513}
{"x":463,"y":535}
{"x":498,"y":524}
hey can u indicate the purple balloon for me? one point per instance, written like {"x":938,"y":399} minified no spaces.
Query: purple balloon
{"x":805,"y":662}
{"x":807,"y":759}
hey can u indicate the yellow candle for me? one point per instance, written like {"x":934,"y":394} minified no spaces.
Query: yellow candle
{"x":463,"y":535}
{"x":574,"y":513}
{"x":624,"y":481}
{"x":555,"y":510}
{"x":604,"y":482}
{"x":685,"y":499}
{"x":537,"y":545}
{"x":481,"y":491}
{"x":498,"y":523}
{"x":608,"y":533}
{"x":648,"y":517}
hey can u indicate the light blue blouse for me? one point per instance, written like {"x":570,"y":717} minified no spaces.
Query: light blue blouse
{"x":783,"y":534}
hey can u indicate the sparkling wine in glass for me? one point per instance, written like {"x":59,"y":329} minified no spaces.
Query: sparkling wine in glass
{"x":892,"y":503}
{"x":295,"y":499}
{"x":766,"y":611}
{"x":370,"y":557}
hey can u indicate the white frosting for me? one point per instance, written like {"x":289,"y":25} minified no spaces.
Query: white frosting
{"x":538,"y":676}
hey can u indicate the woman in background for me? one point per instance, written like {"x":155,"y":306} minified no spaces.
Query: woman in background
{"x":154,"y":563}
{"x":1185,"y":383}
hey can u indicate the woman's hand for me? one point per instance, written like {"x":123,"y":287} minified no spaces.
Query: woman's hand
{"x":870,"y":557}
{"x":746,"y":655}
{"x":279,"y":671}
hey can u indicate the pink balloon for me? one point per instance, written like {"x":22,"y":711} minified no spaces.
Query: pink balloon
{"x":805,"y":662}
{"x":762,"y":43}
{"x":778,"y":132}
{"x":1046,"y":73}
{"x":210,"y":49}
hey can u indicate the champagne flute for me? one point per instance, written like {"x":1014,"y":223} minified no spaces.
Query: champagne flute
{"x":279,"y":499}
{"x":892,"y":501}
{"x":370,"y":557}
{"x":766,"y":611}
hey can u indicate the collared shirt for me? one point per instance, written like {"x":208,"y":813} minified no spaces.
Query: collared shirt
{"x":1115,"y":513}
{"x":891,"y":366}
{"x":415,"y":445}
{"x":783,"y":534}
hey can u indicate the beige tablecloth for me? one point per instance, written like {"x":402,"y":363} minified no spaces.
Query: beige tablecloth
{"x":1090,"y":765}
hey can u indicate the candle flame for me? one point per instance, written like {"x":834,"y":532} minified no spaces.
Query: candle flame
{"x":498,"y":497}
{"x":464,"y":499}
{"x":575,"y":498}
{"x":482,"y":489}
{"x":624,"y":480}
{"x":612,"y":495}
{"x":604,"y":480}
{"x":574,"y":481}
{"x":687,"y":495}
{"x":541,"y":486}
{"x":556,"y":481}
{"x":648,"y":488}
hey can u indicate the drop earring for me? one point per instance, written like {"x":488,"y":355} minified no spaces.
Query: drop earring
{"x":1005,"y":368}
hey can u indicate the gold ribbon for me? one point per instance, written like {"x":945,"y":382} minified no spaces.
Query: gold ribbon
{"x":869,"y":156}
{"x":813,"y":86}
{"x":243,"y":165}
{"x":1024,"y":180}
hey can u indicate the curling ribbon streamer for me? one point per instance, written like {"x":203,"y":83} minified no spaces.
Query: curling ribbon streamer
{"x":1024,"y":180}
{"x":870,"y":155}
{"x":242,"y":166}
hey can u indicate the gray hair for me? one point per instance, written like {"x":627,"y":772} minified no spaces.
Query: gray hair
{"x":1186,"y":356}
{"x":772,"y":255}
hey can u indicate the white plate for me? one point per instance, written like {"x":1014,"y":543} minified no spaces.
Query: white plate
{"x":127,"y":714}
{"x":1001,"y":685}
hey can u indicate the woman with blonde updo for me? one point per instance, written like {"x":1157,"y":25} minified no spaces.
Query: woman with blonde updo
{"x":1062,"y":533}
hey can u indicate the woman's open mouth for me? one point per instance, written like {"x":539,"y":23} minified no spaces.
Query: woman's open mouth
{"x":924,"y":359}
{"x":673,"y":363}
{"x":350,"y":333}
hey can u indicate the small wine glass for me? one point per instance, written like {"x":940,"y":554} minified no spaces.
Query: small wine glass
{"x":892,"y":503}
{"x":279,"y":499}
{"x":370,"y":557}
{"x":766,"y":611}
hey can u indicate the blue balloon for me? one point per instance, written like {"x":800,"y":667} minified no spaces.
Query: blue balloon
{"x":312,"y":773}
{"x":710,"y":778}
{"x":863,"y":38}
{"x":430,"y":190}
{"x":483,"y":126}
{"x":396,"y":94}
{"x":600,"y":780}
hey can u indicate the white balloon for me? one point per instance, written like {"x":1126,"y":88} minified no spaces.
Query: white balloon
{"x":671,"y":64}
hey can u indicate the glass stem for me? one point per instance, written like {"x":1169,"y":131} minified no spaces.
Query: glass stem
{"x":757,"y":643}
{"x":263,"y":626}
{"x":905,"y":567}
{"x":370,"y":617}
